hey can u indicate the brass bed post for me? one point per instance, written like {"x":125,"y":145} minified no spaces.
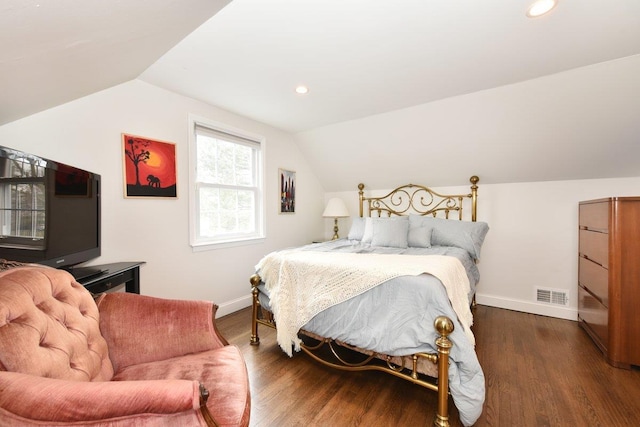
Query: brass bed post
{"x":474,"y":196}
{"x":255,"y":281}
{"x":361,"y":197}
{"x":474,"y":206}
{"x":444,"y":326}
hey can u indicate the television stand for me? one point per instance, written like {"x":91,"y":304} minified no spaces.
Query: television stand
{"x":81,"y":273}
{"x":110,"y":276}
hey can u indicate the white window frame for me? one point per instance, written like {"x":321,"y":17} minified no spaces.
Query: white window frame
{"x":197,"y":242}
{"x":9,"y":211}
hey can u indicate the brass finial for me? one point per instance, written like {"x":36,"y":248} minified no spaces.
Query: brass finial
{"x":443,"y":325}
{"x":255,"y":280}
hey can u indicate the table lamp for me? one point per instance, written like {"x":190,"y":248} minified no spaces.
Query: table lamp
{"x":335,"y":209}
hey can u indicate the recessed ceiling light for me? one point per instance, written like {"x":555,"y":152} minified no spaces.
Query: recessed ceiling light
{"x":540,"y":7}
{"x":302,"y":90}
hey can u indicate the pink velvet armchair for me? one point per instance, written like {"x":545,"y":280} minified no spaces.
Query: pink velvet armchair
{"x":121,"y":360}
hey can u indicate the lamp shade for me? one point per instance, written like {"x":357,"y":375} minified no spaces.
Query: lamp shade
{"x":335,"y":209}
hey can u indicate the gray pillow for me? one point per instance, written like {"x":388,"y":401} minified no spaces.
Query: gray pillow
{"x":419,"y":237}
{"x":466,"y":235}
{"x":357,"y":228}
{"x":390,"y":232}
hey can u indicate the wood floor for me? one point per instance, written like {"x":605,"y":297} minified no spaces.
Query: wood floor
{"x":549,"y":374}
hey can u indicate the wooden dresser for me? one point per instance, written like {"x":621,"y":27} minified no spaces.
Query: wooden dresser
{"x":609,"y":277}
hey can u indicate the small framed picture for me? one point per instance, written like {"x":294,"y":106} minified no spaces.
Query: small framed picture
{"x":287,"y":181}
{"x":149,"y":167}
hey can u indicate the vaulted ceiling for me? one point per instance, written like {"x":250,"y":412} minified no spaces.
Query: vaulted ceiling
{"x":360,"y":59}
{"x":363,"y":57}
{"x":52,"y":52}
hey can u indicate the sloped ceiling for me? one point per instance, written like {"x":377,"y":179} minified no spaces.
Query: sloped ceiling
{"x":364,"y":57}
{"x":578,"y":124}
{"x":52,"y":52}
{"x":427,"y":91}
{"x":461,"y":83}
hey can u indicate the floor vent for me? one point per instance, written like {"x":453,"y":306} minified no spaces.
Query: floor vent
{"x":552,"y":296}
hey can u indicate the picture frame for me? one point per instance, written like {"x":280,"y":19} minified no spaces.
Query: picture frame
{"x":150,"y":167}
{"x":287,"y":191}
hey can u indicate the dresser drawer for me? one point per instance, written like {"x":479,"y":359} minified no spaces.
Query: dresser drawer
{"x":595,"y":246}
{"x":594,"y":216}
{"x":595,"y":278}
{"x":595,"y":315}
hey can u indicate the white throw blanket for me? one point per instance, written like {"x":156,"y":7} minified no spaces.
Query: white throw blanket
{"x":301,"y":284}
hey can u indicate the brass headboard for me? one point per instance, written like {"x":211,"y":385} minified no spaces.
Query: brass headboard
{"x":419,"y":200}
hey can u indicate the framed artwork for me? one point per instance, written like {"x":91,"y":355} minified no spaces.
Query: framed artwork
{"x":149,"y":167}
{"x":287,"y":191}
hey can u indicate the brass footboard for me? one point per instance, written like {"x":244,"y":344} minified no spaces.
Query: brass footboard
{"x":372,"y":361}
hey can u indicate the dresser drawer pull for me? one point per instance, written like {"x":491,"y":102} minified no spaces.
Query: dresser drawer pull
{"x":593,"y":261}
{"x":594,"y":229}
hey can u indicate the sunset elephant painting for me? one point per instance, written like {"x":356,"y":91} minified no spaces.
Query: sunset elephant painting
{"x":149,"y":167}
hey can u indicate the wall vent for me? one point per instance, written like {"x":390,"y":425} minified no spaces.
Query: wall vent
{"x":552,"y":296}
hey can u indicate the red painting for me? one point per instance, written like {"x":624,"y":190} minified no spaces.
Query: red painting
{"x":149,"y":167}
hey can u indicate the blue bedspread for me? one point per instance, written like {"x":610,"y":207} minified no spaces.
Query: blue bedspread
{"x":407,"y":306}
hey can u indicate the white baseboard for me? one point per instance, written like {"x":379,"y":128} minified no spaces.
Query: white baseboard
{"x":568,"y":313}
{"x":233,"y":306}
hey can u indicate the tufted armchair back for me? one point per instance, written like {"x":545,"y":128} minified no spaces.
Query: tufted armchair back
{"x":49,"y":327}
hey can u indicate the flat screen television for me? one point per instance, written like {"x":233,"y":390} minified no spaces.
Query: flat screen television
{"x":49,"y":212}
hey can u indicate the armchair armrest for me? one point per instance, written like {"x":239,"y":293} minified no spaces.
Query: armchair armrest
{"x":140,"y":329}
{"x":47,"y":400}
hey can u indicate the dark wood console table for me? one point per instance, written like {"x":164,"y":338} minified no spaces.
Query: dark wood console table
{"x":112,"y":276}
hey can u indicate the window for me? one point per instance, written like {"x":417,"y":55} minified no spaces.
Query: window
{"x":22,"y":203}
{"x":226,"y":188}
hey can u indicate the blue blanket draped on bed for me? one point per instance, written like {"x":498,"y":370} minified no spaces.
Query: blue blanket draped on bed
{"x":407,"y":306}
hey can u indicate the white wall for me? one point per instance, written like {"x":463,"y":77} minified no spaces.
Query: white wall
{"x":87,"y":133}
{"x":532,"y":241}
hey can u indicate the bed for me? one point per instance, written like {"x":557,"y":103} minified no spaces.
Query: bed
{"x":395,"y":295}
